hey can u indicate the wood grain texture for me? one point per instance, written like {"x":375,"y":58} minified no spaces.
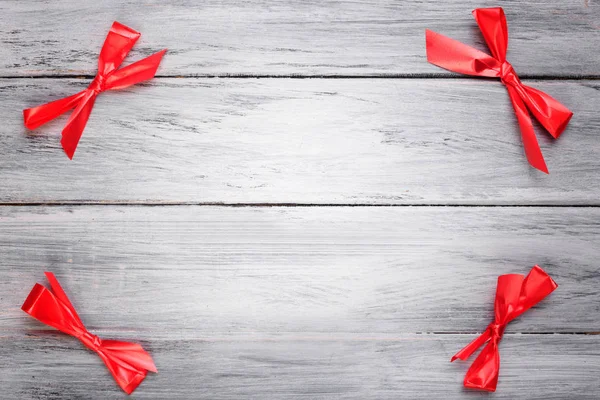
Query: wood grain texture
{"x":49,"y":366}
{"x":190,"y":271}
{"x":292,"y":37}
{"x":314,"y":302}
{"x":320,"y":141}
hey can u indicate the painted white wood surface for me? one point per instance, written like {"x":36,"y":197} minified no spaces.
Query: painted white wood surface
{"x":192,"y":270}
{"x":316,"y":302}
{"x":548,"y":367}
{"x":318,"y":141}
{"x":282,"y":37}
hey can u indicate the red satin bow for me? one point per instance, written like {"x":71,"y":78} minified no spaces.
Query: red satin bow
{"x":127,"y":362}
{"x":117,"y":45}
{"x":515,"y":294}
{"x":457,"y":57}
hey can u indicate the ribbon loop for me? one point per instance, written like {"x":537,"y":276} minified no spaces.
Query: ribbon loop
{"x":458,"y":57}
{"x":493,"y":27}
{"x":118,"y":43}
{"x":127,"y":362}
{"x":515,"y":294}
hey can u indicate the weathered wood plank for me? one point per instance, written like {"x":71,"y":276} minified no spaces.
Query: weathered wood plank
{"x":375,"y":141}
{"x":203,"y":270}
{"x":49,"y":366}
{"x":292,"y":37}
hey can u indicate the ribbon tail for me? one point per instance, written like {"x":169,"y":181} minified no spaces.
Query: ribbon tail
{"x":139,"y":71}
{"x":530,"y":143}
{"x":127,"y":362}
{"x":483,"y":373}
{"x":38,"y":116}
{"x":552,"y":115}
{"x":455,"y":56}
{"x":76,"y":124}
{"x":469,"y":349}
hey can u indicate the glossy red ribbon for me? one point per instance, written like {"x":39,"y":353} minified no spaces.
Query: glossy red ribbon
{"x":458,"y":57}
{"x":117,"y":45}
{"x":127,"y":362}
{"x":515,"y":294}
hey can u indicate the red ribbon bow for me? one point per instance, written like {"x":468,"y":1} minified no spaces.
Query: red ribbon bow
{"x":515,"y":294}
{"x":117,"y":45}
{"x":127,"y":362}
{"x":458,"y":57}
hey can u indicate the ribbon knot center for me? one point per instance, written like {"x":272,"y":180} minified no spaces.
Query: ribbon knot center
{"x":90,"y":340}
{"x":98,"y":84}
{"x":497,"y":330}
{"x":508,"y":76}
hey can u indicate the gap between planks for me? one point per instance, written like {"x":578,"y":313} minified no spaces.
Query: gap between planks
{"x":286,"y":336}
{"x":538,"y":77}
{"x":266,"y":205}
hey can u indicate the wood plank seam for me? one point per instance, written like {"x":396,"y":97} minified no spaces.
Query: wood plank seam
{"x":539,"y":77}
{"x":275,"y":204}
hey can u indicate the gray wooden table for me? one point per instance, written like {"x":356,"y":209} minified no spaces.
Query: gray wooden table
{"x":299,"y":206}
